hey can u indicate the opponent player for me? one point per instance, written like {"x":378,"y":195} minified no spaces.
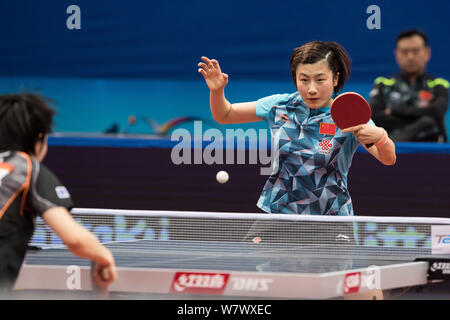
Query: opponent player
{"x":29,"y":189}
{"x":313,"y":156}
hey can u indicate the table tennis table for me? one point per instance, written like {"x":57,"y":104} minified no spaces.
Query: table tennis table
{"x":233,"y":269}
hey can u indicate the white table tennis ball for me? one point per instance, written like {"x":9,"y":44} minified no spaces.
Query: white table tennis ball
{"x":222,"y":176}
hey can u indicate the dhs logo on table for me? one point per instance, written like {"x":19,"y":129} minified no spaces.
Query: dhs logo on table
{"x":355,"y":282}
{"x":251,"y":284}
{"x":196,"y":282}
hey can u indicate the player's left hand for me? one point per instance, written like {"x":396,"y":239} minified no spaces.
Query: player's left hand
{"x":366,"y":133}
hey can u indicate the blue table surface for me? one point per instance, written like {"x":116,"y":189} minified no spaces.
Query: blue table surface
{"x":236,"y":256}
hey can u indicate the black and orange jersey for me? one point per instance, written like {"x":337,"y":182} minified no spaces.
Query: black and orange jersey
{"x":27,"y":189}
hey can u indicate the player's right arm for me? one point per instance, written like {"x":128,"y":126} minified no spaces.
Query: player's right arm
{"x":222,"y":110}
{"x":81,"y":243}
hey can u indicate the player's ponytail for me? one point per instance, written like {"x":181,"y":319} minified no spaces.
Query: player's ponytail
{"x":340,"y":63}
{"x":337,"y":57}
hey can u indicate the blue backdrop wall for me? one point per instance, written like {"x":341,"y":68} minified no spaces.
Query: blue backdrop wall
{"x":140,"y":57}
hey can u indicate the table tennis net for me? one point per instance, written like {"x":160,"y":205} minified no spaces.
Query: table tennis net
{"x":283,"y":232}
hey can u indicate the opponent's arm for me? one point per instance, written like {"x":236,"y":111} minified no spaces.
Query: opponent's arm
{"x":81,"y":242}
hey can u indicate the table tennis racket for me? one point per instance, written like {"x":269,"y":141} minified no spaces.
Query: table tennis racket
{"x":350,"y":109}
{"x":99,"y":292}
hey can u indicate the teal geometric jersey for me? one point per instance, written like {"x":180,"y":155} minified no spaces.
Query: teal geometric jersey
{"x":311,"y":162}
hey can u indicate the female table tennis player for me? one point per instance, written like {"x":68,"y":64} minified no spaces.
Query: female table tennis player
{"x":314,"y":155}
{"x":29,"y":189}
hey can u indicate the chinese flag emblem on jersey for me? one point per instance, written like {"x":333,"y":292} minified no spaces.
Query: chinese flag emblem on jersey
{"x":327,"y":128}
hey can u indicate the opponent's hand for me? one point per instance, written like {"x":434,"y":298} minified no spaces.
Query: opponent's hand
{"x":215,"y":79}
{"x":366,"y":133}
{"x":104,"y":275}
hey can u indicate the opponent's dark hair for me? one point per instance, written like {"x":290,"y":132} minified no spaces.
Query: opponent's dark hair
{"x":337,"y":57}
{"x":24,"y":120}
{"x":410,"y":33}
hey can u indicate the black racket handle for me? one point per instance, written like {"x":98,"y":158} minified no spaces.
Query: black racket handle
{"x":369,"y":145}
